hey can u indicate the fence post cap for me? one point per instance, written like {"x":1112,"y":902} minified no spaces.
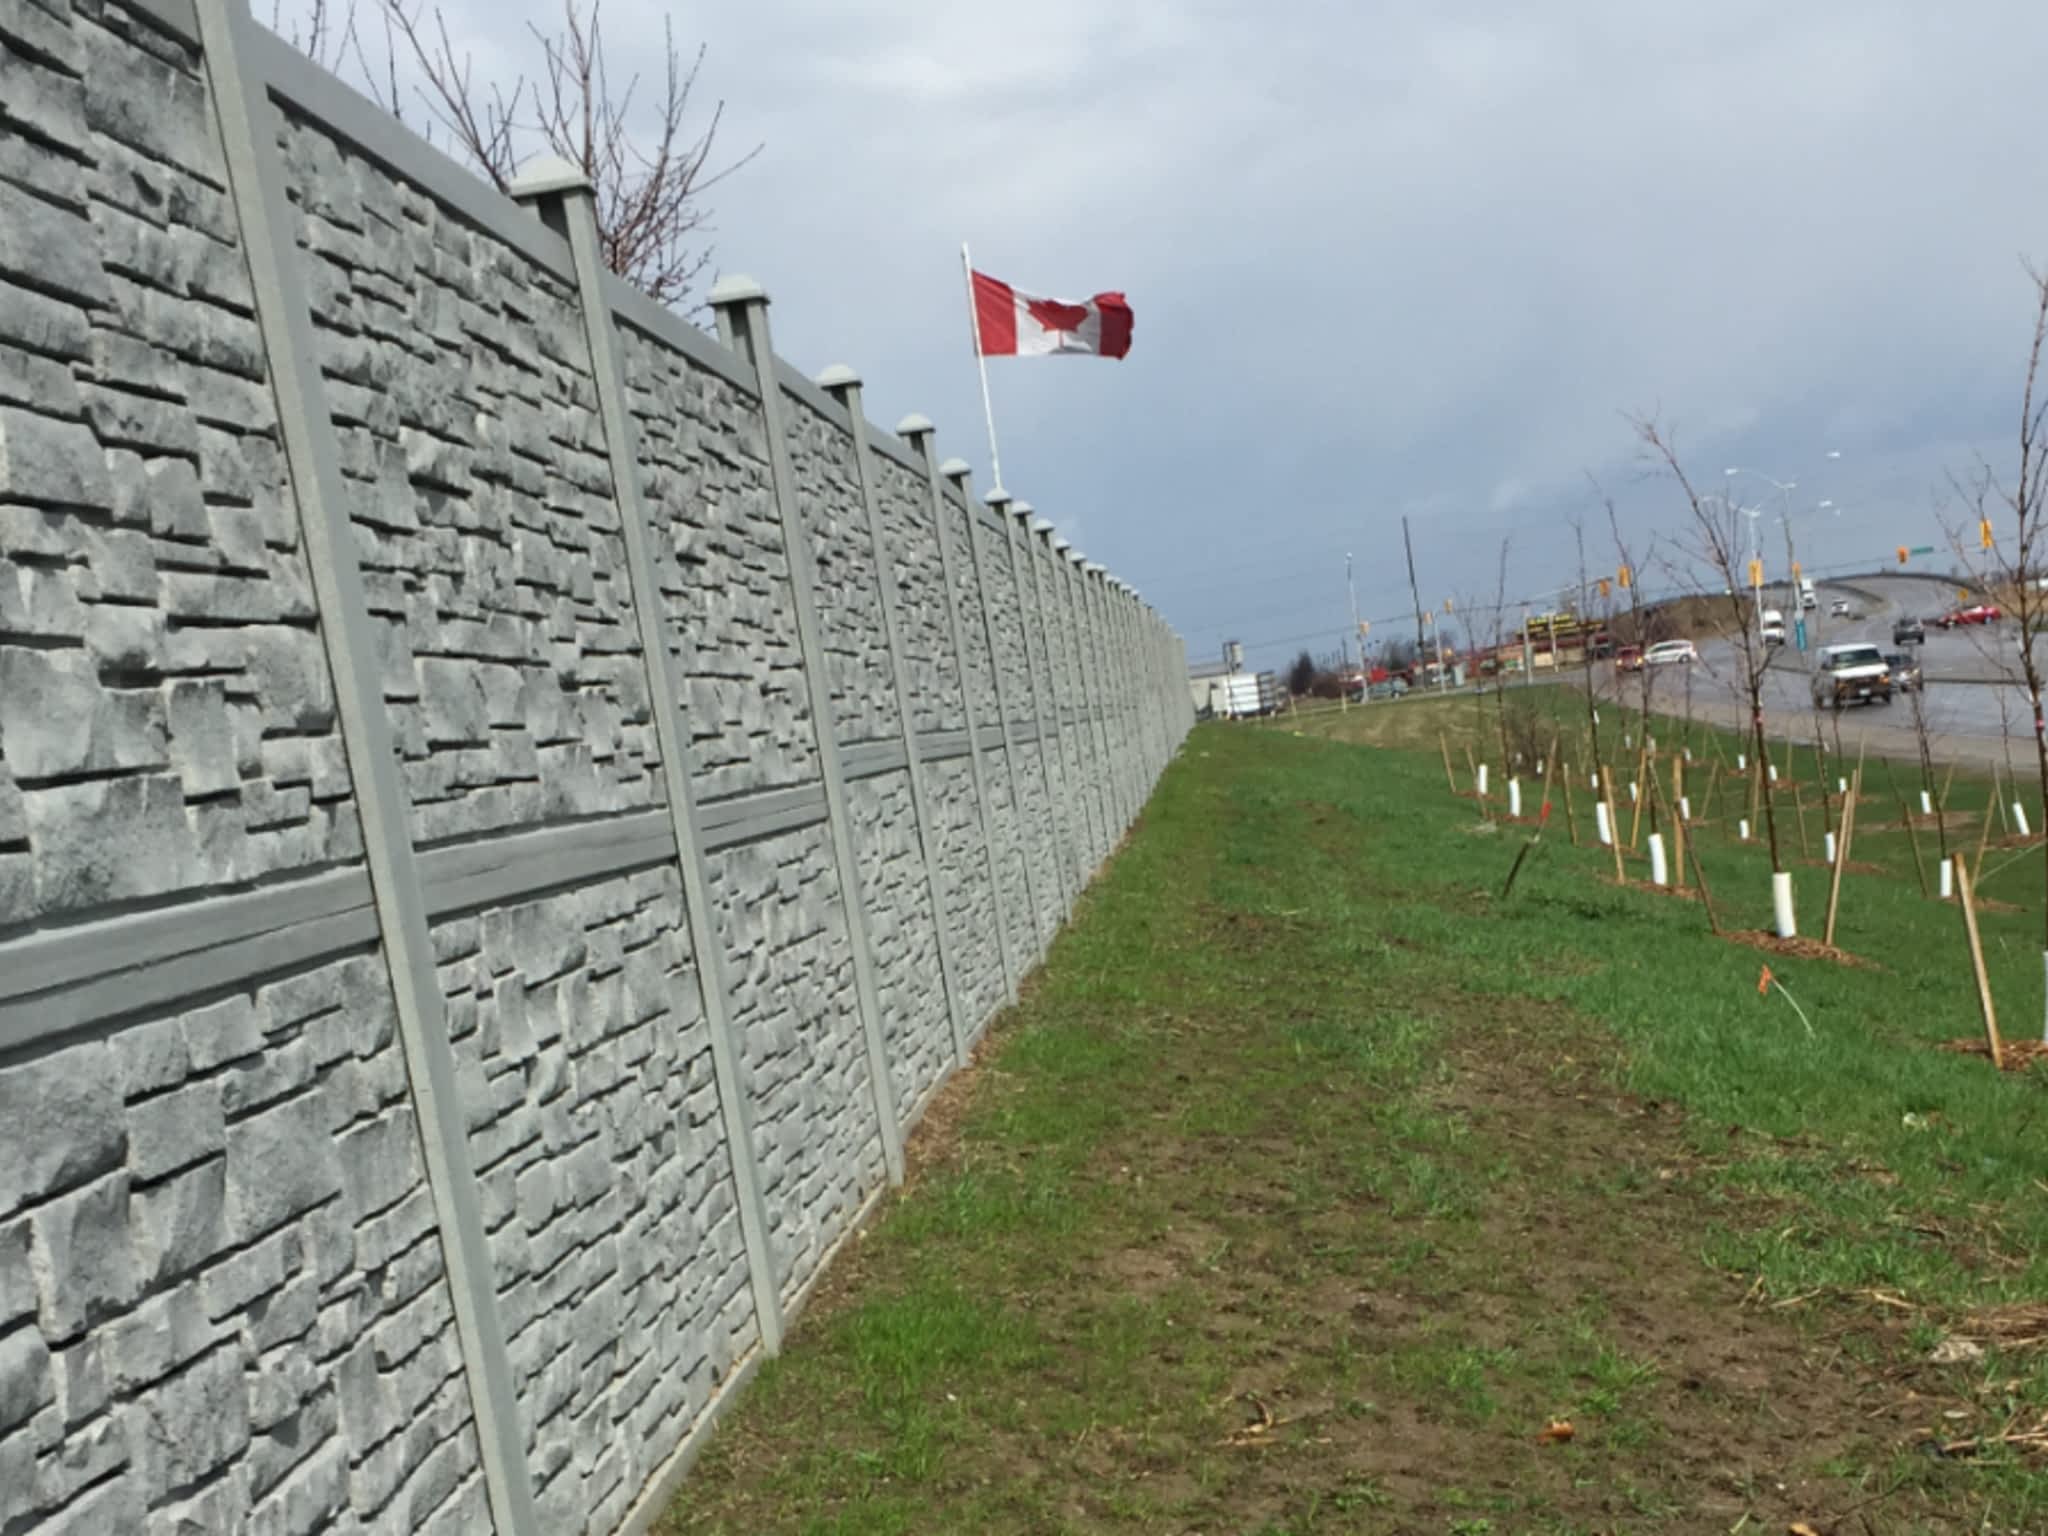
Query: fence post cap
{"x":737,"y":289}
{"x":544,"y":174}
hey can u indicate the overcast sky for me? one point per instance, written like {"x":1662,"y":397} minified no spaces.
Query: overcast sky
{"x":1397,"y":259}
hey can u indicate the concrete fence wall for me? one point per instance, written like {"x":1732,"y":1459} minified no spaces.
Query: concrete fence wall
{"x":509,"y":807}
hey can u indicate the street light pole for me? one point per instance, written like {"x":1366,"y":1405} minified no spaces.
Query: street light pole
{"x":1364,"y":676}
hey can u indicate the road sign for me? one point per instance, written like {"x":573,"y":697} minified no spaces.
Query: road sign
{"x":1921,"y":549}
{"x":1799,"y":633}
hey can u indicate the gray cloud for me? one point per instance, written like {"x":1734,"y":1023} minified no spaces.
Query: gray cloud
{"x":1399,"y":258}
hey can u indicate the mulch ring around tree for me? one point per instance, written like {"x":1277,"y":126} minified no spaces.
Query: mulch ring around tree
{"x":2016,"y":840}
{"x":1799,"y":948}
{"x":1685,"y":892}
{"x":2014,"y":1056}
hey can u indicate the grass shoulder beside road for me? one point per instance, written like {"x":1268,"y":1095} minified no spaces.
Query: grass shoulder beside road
{"x":1312,"y":1181}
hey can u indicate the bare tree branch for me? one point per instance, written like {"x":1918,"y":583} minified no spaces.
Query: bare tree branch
{"x":650,"y":185}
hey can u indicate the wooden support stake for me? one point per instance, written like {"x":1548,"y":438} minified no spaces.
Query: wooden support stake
{"x":1984,"y":1004}
{"x":1635,"y":820}
{"x":1450,"y":778}
{"x":1699,"y":876}
{"x":1941,"y":800}
{"x":1848,"y":833}
{"x":1677,"y":809}
{"x":1984,"y":831}
{"x":1799,"y":805}
{"x":1571,"y":817}
{"x":1913,"y":839}
{"x":1835,"y":880}
{"x":1613,"y":823}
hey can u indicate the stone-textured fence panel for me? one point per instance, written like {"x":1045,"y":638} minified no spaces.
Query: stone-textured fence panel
{"x":503,"y":829}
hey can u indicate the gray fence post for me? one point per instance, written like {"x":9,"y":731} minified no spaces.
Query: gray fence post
{"x":998,"y":502}
{"x":956,"y":470}
{"x":563,"y":197}
{"x":1110,"y":692}
{"x":919,"y":433}
{"x":1017,"y":535}
{"x":1089,"y":791}
{"x":1129,"y":647}
{"x":1136,"y":641}
{"x":249,"y":126}
{"x":1052,"y":636}
{"x":1152,"y":750}
{"x":1100,"y":719}
{"x":1088,"y":745}
{"x":743,"y":317}
{"x":844,"y":385}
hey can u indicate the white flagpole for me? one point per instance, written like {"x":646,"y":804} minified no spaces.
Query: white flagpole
{"x":988,"y":410}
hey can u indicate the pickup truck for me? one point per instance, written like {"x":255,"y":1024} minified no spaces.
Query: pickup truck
{"x":1908,"y":631}
{"x":1851,"y":674}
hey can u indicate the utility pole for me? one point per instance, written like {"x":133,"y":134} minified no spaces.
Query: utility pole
{"x":1364,"y":676}
{"x":1414,"y":591}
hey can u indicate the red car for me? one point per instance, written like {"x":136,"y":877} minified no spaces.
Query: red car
{"x":1629,"y":659}
{"x":1976,"y":613}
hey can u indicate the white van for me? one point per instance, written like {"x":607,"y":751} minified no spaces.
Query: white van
{"x":1772,"y":627}
{"x":1808,"y":598}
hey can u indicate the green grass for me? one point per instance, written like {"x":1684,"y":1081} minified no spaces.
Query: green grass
{"x":1311,"y":1179}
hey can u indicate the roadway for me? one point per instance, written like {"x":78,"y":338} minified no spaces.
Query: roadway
{"x":1961,"y":669}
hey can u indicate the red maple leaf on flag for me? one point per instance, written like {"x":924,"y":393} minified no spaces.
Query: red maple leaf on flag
{"x":1055,"y":316}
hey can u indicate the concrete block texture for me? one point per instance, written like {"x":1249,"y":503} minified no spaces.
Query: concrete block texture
{"x":931,"y":677}
{"x":847,"y":583}
{"x":144,"y":748}
{"x":594,"y":1128}
{"x":464,"y":407}
{"x":227,"y":1298}
{"x":967,"y":899}
{"x":222,"y":1305}
{"x":817,"y":1145}
{"x":717,"y":548}
{"x":903,"y":933}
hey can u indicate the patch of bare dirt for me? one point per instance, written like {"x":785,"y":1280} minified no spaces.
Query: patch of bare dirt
{"x":1801,"y":948}
{"x":2013,"y":1055}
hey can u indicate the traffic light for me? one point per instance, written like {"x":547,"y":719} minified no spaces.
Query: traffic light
{"x":1606,"y":587}
{"x":1447,"y":605}
{"x":1756,"y":573}
{"x":1984,"y":538}
{"x":1795,"y":570}
{"x":1902,"y":554}
{"x":1622,"y":577}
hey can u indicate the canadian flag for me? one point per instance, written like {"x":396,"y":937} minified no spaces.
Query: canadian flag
{"x":1011,"y":323}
